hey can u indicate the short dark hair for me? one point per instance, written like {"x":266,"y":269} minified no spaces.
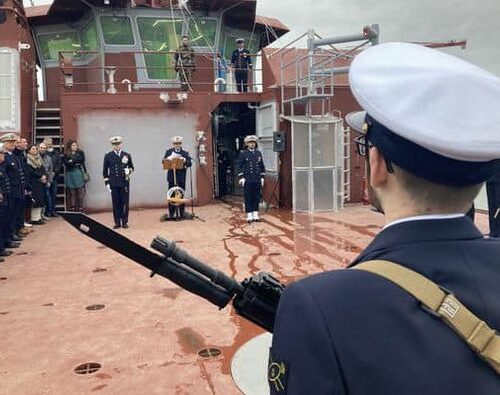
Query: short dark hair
{"x":185,"y":36}
{"x":437,"y":196}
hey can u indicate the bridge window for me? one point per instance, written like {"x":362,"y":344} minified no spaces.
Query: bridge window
{"x":9,"y":90}
{"x":117,"y":30}
{"x":53,"y":43}
{"x":90,"y":41}
{"x":202,"y":32}
{"x":160,"y":35}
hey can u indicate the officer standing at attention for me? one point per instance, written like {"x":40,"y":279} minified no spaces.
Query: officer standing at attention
{"x":116,"y":170}
{"x":425,"y":323}
{"x":493,"y":192}
{"x":251,"y":171}
{"x":180,"y":175}
{"x":241,"y":61}
{"x":16,"y":196}
{"x":185,"y":63}
{"x":4,"y":204}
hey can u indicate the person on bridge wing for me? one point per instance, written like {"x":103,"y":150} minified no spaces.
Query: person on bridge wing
{"x":180,"y":175}
{"x":251,"y":171}
{"x":241,"y":61}
{"x":116,"y":170}
{"x":417,"y":310}
{"x":185,"y":63}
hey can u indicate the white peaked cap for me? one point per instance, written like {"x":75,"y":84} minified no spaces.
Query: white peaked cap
{"x":435,"y":100}
{"x":177,"y":139}
{"x":116,"y":140}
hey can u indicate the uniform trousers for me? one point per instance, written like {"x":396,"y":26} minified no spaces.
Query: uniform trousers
{"x":493,"y":192}
{"x":252,"y":196}
{"x":13,"y":217}
{"x":4,"y":210}
{"x":241,"y":77}
{"x":120,"y":197}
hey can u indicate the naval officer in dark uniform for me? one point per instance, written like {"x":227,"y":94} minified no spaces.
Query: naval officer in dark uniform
{"x":251,"y":171}
{"x":355,"y":331}
{"x":180,"y":175}
{"x":4,"y":204}
{"x":241,"y":61}
{"x":116,"y":170}
{"x":493,"y":193}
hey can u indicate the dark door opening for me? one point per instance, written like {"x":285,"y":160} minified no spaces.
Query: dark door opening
{"x":232,"y":122}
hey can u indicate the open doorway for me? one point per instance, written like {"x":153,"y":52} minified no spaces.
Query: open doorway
{"x":232,"y":122}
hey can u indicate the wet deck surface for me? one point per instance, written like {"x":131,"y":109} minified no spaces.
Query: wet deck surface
{"x":148,"y":334}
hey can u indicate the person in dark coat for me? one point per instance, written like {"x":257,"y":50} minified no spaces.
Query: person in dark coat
{"x":16,"y":195}
{"x":251,"y":171}
{"x":37,"y":178}
{"x":74,"y":163}
{"x":57,"y":169}
{"x":493,"y":193}
{"x":357,"y":332}
{"x":20,"y":150}
{"x":116,"y":170}
{"x":4,"y":204}
{"x":241,"y":61}
{"x":180,"y":175}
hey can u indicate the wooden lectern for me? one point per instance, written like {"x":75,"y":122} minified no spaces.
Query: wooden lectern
{"x":173,"y":164}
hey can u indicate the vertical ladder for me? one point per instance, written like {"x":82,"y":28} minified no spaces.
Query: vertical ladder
{"x":48,"y":124}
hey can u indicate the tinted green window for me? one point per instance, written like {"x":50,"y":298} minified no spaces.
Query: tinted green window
{"x":90,"y":41}
{"x":117,"y":30}
{"x":160,"y":35}
{"x":202,"y":32}
{"x":52,"y":44}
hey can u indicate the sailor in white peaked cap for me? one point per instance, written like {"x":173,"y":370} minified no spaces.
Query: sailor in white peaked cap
{"x":421,"y":316}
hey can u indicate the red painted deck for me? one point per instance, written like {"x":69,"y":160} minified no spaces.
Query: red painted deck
{"x":148,"y":334}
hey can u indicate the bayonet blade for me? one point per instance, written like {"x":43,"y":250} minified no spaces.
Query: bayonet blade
{"x":112,"y":239}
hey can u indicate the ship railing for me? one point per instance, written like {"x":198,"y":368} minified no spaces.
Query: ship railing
{"x":129,"y":72}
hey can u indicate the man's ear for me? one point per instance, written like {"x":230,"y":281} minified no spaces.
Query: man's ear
{"x":378,"y":168}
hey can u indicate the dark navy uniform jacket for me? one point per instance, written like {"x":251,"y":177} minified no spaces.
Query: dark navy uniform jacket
{"x":15,"y":174}
{"x":353,"y":332}
{"x":241,"y":59}
{"x":180,"y":175}
{"x":114,"y":167}
{"x":251,"y":165}
{"x":5,"y":188}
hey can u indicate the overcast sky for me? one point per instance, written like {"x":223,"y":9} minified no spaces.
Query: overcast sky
{"x":399,"y":20}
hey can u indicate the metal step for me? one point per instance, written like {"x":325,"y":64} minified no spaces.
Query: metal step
{"x":44,"y":136}
{"x":47,"y":127}
{"x":48,"y":118}
{"x":51,"y":109}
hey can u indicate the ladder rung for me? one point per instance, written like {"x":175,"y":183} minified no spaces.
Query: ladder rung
{"x":44,"y":136}
{"x":48,"y":118}
{"x":41,"y":109}
{"x":47,"y":127}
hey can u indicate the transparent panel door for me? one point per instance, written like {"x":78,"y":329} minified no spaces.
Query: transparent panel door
{"x":301,"y":145}
{"x":323,"y":190}
{"x":301,"y":190}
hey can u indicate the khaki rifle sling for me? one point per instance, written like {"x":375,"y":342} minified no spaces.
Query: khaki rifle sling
{"x":478,"y":335}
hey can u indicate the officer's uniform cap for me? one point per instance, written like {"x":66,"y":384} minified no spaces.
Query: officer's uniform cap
{"x":428,"y":112}
{"x":253,"y":138}
{"x":116,"y":140}
{"x":240,"y":40}
{"x":9,"y":137}
{"x":177,"y":139}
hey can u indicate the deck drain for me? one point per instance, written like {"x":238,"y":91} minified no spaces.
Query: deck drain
{"x":274,"y":254}
{"x":210,"y":352}
{"x":3,"y":278}
{"x":99,"y":270}
{"x":48,"y":304}
{"x":95,"y":307}
{"x":87,"y":368}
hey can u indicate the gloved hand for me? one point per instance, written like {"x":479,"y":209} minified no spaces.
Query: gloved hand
{"x":262,"y":182}
{"x":127,"y":171}
{"x":107,"y":186}
{"x":241,"y":182}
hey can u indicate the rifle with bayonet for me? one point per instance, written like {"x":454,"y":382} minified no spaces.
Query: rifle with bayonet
{"x":255,"y":298}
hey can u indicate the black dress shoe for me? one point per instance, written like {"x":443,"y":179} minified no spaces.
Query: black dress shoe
{"x":12,"y":244}
{"x":125,"y":226}
{"x":2,"y":260}
{"x":116,"y":226}
{"x":39,"y":222}
{"x":16,"y":238}
{"x":5,"y":253}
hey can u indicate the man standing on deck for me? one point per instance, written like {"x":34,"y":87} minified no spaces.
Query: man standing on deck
{"x":251,"y":171}
{"x":420,"y":318}
{"x":241,"y":61}
{"x":185,"y":63}
{"x":180,"y":174}
{"x":116,"y":171}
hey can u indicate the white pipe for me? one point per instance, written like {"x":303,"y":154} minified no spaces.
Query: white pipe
{"x":129,"y":84}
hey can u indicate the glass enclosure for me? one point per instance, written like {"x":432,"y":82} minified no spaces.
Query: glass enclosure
{"x":159,"y":34}
{"x":117,"y":30}
{"x":318,"y":164}
{"x":90,"y":40}
{"x":53,"y":43}
{"x":202,"y":32}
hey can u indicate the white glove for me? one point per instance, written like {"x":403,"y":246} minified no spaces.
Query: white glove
{"x":262,"y":182}
{"x":109,"y":188}
{"x":127,"y":171}
{"x":242,"y":182}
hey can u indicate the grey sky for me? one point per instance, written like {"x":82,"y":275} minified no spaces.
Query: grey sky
{"x":400,"y":20}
